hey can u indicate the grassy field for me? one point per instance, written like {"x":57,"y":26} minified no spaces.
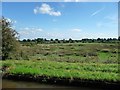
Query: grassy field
{"x":73,"y":52}
{"x":85,"y":61}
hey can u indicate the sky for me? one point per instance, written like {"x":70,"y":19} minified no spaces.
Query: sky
{"x":63,"y":20}
{"x":60,"y":0}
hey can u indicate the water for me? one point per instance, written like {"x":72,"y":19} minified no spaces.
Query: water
{"x":24,"y":84}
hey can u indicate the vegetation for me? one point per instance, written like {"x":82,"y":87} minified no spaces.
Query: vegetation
{"x":10,"y":44}
{"x":86,"y":59}
{"x":80,"y":61}
{"x":72,"y":52}
{"x":0,"y":40}
{"x":86,"y":40}
{"x":85,"y":71}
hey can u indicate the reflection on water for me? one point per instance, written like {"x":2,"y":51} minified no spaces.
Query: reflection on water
{"x":23,"y":84}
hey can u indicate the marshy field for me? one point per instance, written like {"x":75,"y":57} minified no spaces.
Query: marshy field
{"x":71,"y":43}
{"x":69,"y":63}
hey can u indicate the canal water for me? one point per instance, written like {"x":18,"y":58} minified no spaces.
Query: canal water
{"x":24,"y":84}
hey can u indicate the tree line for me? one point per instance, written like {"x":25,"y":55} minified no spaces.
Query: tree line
{"x":86,"y":40}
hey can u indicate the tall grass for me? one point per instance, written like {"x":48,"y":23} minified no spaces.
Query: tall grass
{"x":92,"y":71}
{"x":74,"y":52}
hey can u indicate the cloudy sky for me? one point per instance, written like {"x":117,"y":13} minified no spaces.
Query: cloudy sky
{"x":63,"y":20}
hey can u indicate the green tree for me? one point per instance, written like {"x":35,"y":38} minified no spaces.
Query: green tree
{"x":70,"y":40}
{"x":119,"y":38}
{"x":10,"y":44}
{"x":0,"y":39}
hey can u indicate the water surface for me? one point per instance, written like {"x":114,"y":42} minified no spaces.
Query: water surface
{"x":24,"y":84}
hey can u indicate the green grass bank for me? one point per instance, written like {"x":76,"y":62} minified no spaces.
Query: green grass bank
{"x":47,"y":70}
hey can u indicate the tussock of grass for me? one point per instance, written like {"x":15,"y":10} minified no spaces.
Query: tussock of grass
{"x":72,"y":52}
{"x":92,"y":71}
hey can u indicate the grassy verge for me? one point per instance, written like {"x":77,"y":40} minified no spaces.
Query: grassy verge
{"x":85,"y":71}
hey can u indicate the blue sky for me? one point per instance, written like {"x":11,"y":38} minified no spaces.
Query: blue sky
{"x":60,"y":0}
{"x":63,"y":20}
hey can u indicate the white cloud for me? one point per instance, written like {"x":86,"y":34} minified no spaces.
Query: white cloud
{"x":29,"y":31}
{"x":35,"y":10}
{"x":26,"y":28}
{"x":23,"y":33}
{"x":55,"y":35}
{"x":100,"y":35}
{"x":96,"y":12}
{"x":11,"y":21}
{"x":39,"y":30}
{"x":32,"y":34}
{"x":76,"y":30}
{"x":8,"y":20}
{"x":46,"y":9}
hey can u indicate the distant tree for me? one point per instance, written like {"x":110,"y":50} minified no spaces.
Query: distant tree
{"x":59,"y":41}
{"x":45,"y":39}
{"x":24,"y":40}
{"x":93,"y":40}
{"x":10,"y":44}
{"x":119,"y":38}
{"x":70,"y":40}
{"x":64,"y":41}
{"x":39,"y":40}
{"x":76,"y":41}
{"x":84,"y":40}
{"x":56,"y":40}
{"x":51,"y":39}
{"x":28,"y":40}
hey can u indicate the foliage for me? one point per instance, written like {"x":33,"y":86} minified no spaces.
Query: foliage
{"x":0,"y":40}
{"x":85,"y":40}
{"x":10,"y":44}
